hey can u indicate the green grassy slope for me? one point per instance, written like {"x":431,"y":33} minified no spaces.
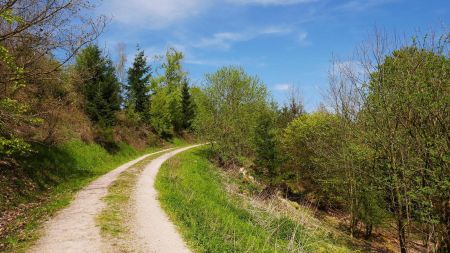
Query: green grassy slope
{"x":213,"y":219}
{"x":47,"y":182}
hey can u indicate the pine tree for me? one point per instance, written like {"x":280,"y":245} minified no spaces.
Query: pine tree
{"x":100,"y":86}
{"x":267,"y":157}
{"x":138,"y":83}
{"x":186,"y":105}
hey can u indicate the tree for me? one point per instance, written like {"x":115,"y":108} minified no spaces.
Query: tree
{"x":36,"y":28}
{"x":404,"y":121}
{"x":168,"y":90}
{"x":293,"y":109}
{"x":30,"y":31}
{"x":138,"y":84}
{"x":228,"y":110}
{"x":161,"y":117}
{"x":407,"y":117}
{"x":311,"y":142}
{"x":174,"y":76}
{"x":173,"y":71}
{"x":121,"y":63}
{"x":267,"y":157}
{"x":99,"y":86}
{"x":186,"y":106}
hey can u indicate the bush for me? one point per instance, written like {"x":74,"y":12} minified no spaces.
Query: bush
{"x":228,"y":110}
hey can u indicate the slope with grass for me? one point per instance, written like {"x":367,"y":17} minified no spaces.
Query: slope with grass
{"x":214,"y":216}
{"x":48,"y":182}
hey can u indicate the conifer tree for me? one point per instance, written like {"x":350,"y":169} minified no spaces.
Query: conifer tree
{"x":138,"y":83}
{"x":100,"y":86}
{"x":186,"y":105}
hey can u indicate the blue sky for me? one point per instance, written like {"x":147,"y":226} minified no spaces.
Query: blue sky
{"x":284,"y":42}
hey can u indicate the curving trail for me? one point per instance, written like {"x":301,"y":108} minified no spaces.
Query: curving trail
{"x":74,"y":228}
{"x":153,"y":229}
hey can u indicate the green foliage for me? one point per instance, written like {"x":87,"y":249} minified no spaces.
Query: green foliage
{"x":222,"y":222}
{"x":12,"y":111}
{"x":173,"y":72}
{"x":9,"y":17}
{"x":13,"y":147}
{"x":173,"y":81}
{"x":309,"y":142}
{"x":267,"y":157}
{"x":100,"y":86}
{"x":187,"y":106}
{"x":407,"y":123}
{"x":138,"y":84}
{"x":228,"y":111}
{"x":160,"y":111}
{"x":170,"y":108}
{"x":289,"y":112}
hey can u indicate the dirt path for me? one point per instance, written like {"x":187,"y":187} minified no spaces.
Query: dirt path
{"x":74,"y":228}
{"x":153,"y":229}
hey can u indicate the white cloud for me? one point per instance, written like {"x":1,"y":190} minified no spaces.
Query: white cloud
{"x":275,"y":30}
{"x":282,"y":86}
{"x":157,"y":14}
{"x":153,"y":13}
{"x":208,"y":62}
{"x":221,"y":40}
{"x":270,"y":2}
{"x":360,"y":5}
{"x":224,"y":40}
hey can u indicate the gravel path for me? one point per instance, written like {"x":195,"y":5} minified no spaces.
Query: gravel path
{"x":153,"y":229}
{"x":74,"y":228}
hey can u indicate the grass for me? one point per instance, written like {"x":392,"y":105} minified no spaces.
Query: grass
{"x":213,"y":218}
{"x":53,"y":176}
{"x":113,"y":220}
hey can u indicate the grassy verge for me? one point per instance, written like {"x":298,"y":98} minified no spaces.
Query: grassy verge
{"x":113,"y":220}
{"x":214,"y":217}
{"x":54,"y":175}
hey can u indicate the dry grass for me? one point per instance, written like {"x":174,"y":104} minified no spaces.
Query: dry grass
{"x":215,"y":212}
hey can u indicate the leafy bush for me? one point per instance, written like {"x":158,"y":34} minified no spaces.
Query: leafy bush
{"x":228,"y":111}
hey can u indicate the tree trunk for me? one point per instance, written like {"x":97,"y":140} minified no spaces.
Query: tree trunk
{"x":368,"y":233}
{"x":402,"y":235}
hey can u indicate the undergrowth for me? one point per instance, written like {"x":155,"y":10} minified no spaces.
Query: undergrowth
{"x":212,"y":218}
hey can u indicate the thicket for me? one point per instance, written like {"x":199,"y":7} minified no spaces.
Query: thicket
{"x":379,"y":151}
{"x":57,"y":85}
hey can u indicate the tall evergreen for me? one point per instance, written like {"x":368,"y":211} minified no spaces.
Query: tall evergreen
{"x":138,"y":83}
{"x":100,"y":86}
{"x":266,"y":158}
{"x":186,"y":105}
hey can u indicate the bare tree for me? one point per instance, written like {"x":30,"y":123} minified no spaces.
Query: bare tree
{"x":33,"y":29}
{"x":121,"y":62}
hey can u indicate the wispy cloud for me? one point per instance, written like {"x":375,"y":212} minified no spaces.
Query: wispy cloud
{"x":208,"y":62}
{"x":282,"y":86}
{"x":270,"y":2}
{"x":361,"y":5}
{"x":224,"y":40}
{"x":156,"y":14}
{"x":302,"y":38}
{"x":153,"y":14}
